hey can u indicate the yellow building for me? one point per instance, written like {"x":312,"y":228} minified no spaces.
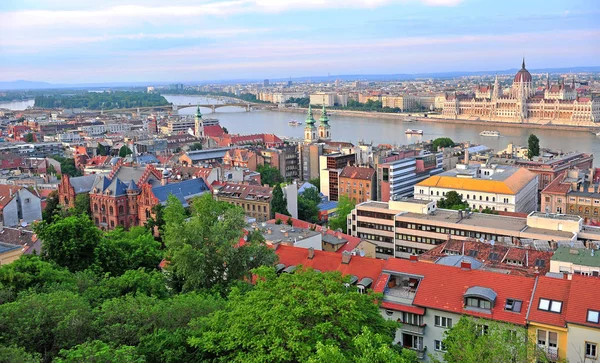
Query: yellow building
{"x":9,"y":253}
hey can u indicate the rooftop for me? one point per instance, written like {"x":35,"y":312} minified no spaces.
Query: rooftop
{"x":355,"y":172}
{"x":277,"y":232}
{"x":577,"y":256}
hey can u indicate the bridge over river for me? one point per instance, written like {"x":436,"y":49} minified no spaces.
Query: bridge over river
{"x":174,"y":108}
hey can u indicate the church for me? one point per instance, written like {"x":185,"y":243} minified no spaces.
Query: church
{"x":551,"y":104}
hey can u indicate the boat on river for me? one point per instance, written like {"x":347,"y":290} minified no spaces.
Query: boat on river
{"x":489,"y":133}
{"x":294,"y":123}
{"x":413,"y":132}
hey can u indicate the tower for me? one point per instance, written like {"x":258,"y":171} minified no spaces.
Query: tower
{"x":324,"y":128}
{"x":198,"y":124}
{"x":547,"y":81}
{"x":310,"y":131}
{"x":497,"y":92}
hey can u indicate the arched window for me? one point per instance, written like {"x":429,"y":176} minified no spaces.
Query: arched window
{"x":120,"y":210}
{"x":95,"y":207}
{"x":103,"y":219}
{"x":111,"y":211}
{"x":487,"y":199}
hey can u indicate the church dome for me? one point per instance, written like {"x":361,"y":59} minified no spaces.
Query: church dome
{"x":523,"y":74}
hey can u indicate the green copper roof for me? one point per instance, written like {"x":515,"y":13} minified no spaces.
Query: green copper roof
{"x":577,"y":256}
{"x":198,"y":113}
{"x":310,"y":120}
{"x":324,"y":119}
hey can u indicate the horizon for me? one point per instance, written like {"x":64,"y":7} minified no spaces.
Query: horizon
{"x":137,"y":41}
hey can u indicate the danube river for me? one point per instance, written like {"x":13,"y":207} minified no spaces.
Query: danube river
{"x":346,"y":128}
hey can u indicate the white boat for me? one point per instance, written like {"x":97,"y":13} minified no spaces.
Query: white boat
{"x":489,"y":133}
{"x":294,"y":123}
{"x":598,"y":133}
{"x":413,"y":132}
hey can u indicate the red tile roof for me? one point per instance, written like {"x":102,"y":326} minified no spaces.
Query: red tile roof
{"x":404,"y":308}
{"x":213,"y":131}
{"x":7,"y":193}
{"x":550,"y":288}
{"x":583,"y":295}
{"x":557,"y":186}
{"x":355,"y":172}
{"x":443,"y":288}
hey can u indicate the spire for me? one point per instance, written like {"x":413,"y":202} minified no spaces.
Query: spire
{"x":573,"y":82}
{"x":523,"y":65}
{"x":324,"y":119}
{"x":547,"y":81}
{"x":310,"y":120}
{"x":198,"y":113}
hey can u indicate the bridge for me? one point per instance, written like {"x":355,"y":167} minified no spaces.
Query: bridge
{"x":172,"y":107}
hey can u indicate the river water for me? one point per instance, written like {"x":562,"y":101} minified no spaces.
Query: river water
{"x":346,"y":128}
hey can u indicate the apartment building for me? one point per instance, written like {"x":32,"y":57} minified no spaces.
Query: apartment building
{"x":398,"y":174}
{"x":403,"y":102}
{"x":285,"y":158}
{"x":413,"y":226}
{"x":255,"y":200}
{"x":331,"y":166}
{"x":576,"y":261}
{"x":242,"y":158}
{"x":501,"y":188}
{"x":358,"y":184}
{"x":175,"y":126}
{"x":17,"y":205}
{"x":573,"y":192}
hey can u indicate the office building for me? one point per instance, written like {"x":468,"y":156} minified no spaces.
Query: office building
{"x":331,"y":166}
{"x":398,"y":174}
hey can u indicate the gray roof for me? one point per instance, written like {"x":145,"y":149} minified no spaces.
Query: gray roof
{"x":5,"y":247}
{"x":333,"y":239}
{"x":101,"y":183}
{"x":455,"y":260}
{"x":366,"y":282}
{"x":117,"y":187}
{"x":483,"y":292}
{"x":83,"y":184}
{"x":183,"y":190}
{"x":208,"y":154}
{"x":132,"y":186}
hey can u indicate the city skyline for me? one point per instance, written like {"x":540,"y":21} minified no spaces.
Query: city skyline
{"x":134,"y":41}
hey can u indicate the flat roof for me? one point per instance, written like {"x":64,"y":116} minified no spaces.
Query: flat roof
{"x":549,"y":232}
{"x":374,"y":204}
{"x":578,"y":257}
{"x":413,"y":200}
{"x":476,"y":219}
{"x":562,"y":217}
{"x":294,"y":233}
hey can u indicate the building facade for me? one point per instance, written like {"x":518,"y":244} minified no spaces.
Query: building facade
{"x":255,"y":200}
{"x":331,"y":166}
{"x":358,"y":184}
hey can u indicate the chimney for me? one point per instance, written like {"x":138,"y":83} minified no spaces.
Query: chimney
{"x":466,"y":155}
{"x":311,"y":253}
{"x":275,"y":245}
{"x":269,"y":231}
{"x":286,"y":234}
{"x":413,"y":258}
{"x":346,"y":257}
{"x":465,"y":265}
{"x":591,"y":188}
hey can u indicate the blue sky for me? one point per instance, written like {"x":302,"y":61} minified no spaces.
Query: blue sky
{"x":74,"y":41}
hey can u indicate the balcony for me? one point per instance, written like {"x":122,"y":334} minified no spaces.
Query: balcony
{"x":551,"y":352}
{"x":421,"y":352}
{"x":413,"y":329}
{"x":401,"y":289}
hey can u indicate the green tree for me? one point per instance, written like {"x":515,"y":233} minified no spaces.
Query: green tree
{"x":70,"y":241}
{"x":441,"y":142}
{"x":82,"y":204}
{"x":15,"y":353}
{"x":46,"y":323}
{"x":308,"y":209}
{"x":278,"y":204}
{"x":124,"y":151}
{"x":344,"y":208}
{"x":225,"y":130}
{"x":99,"y":352}
{"x":533,"y":146}
{"x":51,"y":170}
{"x":29,"y":137}
{"x":269,"y":175}
{"x":67,"y":166}
{"x":174,"y":212}
{"x":196,"y":146}
{"x":316,"y":182}
{"x":120,"y":250}
{"x":52,"y":206}
{"x":473,"y":340}
{"x":102,"y":150}
{"x":284,"y":318}
{"x":369,"y":347}
{"x":452,"y":200}
{"x":204,"y":251}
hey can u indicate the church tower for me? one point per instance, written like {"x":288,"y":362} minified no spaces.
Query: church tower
{"x":310,"y":131}
{"x":497,"y":93}
{"x":198,"y":124}
{"x":324,"y":128}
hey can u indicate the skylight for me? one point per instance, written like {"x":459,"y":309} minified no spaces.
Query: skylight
{"x":554,"y":306}
{"x":544,"y":304}
{"x":593,"y":316}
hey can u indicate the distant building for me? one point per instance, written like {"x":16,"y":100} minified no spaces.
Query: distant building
{"x":403,"y":102}
{"x":285,"y":158}
{"x":331,"y":167}
{"x":255,"y":200}
{"x":574,"y":192}
{"x":358,"y":184}
{"x":242,"y":158}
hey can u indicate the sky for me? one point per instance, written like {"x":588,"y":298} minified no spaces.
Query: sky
{"x":75,"y":41}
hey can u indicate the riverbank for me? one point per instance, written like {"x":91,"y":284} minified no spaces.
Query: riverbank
{"x":404,"y":117}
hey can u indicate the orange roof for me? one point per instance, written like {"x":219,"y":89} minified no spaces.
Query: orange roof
{"x":511,"y":185}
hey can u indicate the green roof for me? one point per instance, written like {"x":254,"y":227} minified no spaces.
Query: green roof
{"x":580,"y":256}
{"x":310,"y":120}
{"x":324,"y":119}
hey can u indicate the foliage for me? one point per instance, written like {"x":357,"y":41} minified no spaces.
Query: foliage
{"x":308,"y":201}
{"x":269,"y":175}
{"x":344,"y":208}
{"x":82,"y":204}
{"x":120,"y":250}
{"x":203,"y":250}
{"x":196,"y":146}
{"x":284,"y":318}
{"x":369,"y":347}
{"x":225,"y":130}
{"x":52,"y":206}
{"x":99,"y":352}
{"x":533,"y":146}
{"x":278,"y":204}
{"x":124,"y":151}
{"x":278,"y":221}
{"x":452,"y":200}
{"x":301,"y":101}
{"x":46,"y":323}
{"x":70,"y":241}
{"x":101,"y":100}
{"x":18,"y":354}
{"x":67,"y":166}
{"x":441,"y":142}
{"x":29,"y":137}
{"x":316,"y":182}
{"x":102,"y":150}
{"x":156,"y":221}
{"x":464,"y":342}
{"x":488,"y":210}
{"x":51,"y":170}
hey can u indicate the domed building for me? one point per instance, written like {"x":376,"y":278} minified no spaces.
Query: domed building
{"x":546,"y":104}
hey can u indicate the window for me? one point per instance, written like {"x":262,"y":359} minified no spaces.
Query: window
{"x":443,"y":321}
{"x":439,"y":346}
{"x":593,"y":316}
{"x":27,"y":200}
{"x":513,"y":305}
{"x":544,"y":304}
{"x":479,"y":303}
{"x":590,"y":350}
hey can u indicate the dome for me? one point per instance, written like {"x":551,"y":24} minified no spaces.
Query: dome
{"x":523,"y":74}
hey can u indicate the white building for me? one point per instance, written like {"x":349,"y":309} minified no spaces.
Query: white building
{"x":95,"y":130}
{"x":18,"y":205}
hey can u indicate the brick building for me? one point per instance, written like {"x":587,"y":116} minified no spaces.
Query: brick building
{"x":359,"y":184}
{"x":255,"y":200}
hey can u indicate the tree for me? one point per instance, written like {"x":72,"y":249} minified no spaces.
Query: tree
{"x":18,"y":354}
{"x":204,"y":252}
{"x":480,"y":340}
{"x":99,"y":352}
{"x":82,"y":204}
{"x":124,"y":151}
{"x":284,"y":318}
{"x":278,"y":204}
{"x":316,"y":182}
{"x":196,"y":146}
{"x":102,"y":150}
{"x":452,"y":200}
{"x":441,"y":142}
{"x":70,"y":241}
{"x":344,"y":208}
{"x":67,"y":166}
{"x":269,"y":175}
{"x":46,"y":323}
{"x":51,"y":170}
{"x":29,"y":137}
{"x":52,"y":206}
{"x":533,"y":146}
{"x":308,"y":205}
{"x":225,"y":130}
